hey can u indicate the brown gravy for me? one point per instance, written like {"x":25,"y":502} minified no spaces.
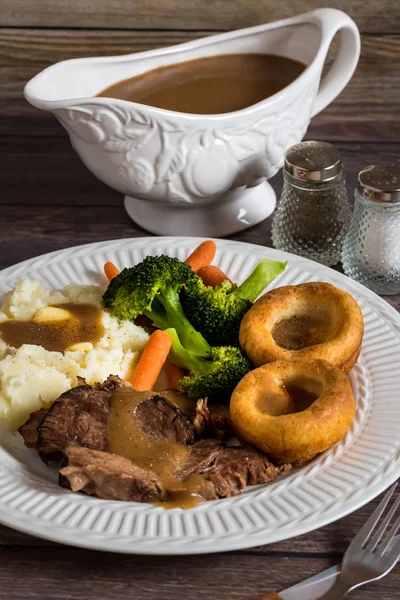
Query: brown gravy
{"x":294,"y":397}
{"x":301,"y":397}
{"x":276,"y":404}
{"x":210,"y":85}
{"x":126,"y":438}
{"x":299,"y":332}
{"x":181,"y":400}
{"x":84,"y":326}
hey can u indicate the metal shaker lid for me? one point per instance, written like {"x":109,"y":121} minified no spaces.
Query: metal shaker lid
{"x":380,"y":183}
{"x":313,"y":161}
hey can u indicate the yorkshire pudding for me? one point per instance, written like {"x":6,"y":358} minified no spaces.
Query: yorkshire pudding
{"x":310,"y":320}
{"x":293,"y":410}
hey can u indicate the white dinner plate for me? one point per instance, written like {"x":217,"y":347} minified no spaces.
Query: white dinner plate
{"x":336,"y":483}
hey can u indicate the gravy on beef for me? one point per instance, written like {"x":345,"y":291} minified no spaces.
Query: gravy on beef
{"x":181,"y":401}
{"x":170,"y":467}
{"x":125,"y":437}
{"x":84,"y":326}
{"x":210,"y":85}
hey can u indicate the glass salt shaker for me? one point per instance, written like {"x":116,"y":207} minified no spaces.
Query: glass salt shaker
{"x":313,"y":212}
{"x":371,"y":249}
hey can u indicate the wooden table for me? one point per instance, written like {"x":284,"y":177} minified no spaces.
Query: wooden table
{"x":50,"y":201}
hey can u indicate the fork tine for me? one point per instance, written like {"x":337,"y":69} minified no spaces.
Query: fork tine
{"x":383,"y":526}
{"x":394,"y":552}
{"x":396,"y":549}
{"x":369,"y":526}
{"x":389,"y":538}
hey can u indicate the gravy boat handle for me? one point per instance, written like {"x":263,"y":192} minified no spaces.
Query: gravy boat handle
{"x":333,"y":21}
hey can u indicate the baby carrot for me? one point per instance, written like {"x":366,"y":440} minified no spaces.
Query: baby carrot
{"x":212,"y":275}
{"x":174,"y":374}
{"x":110,"y":270}
{"x":151,"y":361}
{"x":202,"y":256}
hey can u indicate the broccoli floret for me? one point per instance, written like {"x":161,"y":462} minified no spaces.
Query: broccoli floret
{"x":217,"y":312}
{"x":214,"y":377}
{"x":152,"y":288}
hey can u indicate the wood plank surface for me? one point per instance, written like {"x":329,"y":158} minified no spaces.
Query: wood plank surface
{"x":378,"y":16}
{"x":23,"y":53}
{"x":63,"y":574}
{"x":83,"y":574}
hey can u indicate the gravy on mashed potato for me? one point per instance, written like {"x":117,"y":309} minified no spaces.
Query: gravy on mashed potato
{"x":33,"y":372}
{"x":56,"y":328}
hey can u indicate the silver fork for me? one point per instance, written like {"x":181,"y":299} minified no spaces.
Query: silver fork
{"x":372,"y":554}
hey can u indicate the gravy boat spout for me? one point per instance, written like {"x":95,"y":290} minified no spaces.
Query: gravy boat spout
{"x":191,"y":174}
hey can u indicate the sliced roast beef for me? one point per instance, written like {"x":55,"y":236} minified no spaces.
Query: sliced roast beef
{"x":79,"y":416}
{"x":235,"y":469}
{"x":212,"y":421}
{"x":227,"y":470}
{"x":202,"y":418}
{"x":29,"y":430}
{"x":108,"y":476}
{"x":113,"y":382}
{"x":221,"y":418}
{"x":74,"y":429}
{"x":202,"y":454}
{"x":160,"y":419}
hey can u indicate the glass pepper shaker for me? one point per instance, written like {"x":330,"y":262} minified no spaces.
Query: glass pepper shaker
{"x":371,"y":249}
{"x":313,"y":212}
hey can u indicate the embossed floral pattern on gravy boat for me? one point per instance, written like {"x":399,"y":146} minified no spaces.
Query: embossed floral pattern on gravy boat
{"x":198,"y":174}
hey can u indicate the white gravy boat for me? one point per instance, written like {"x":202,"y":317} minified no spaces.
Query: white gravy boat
{"x":192,"y":174}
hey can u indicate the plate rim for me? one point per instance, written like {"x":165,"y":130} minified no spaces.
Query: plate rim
{"x":198,"y":240}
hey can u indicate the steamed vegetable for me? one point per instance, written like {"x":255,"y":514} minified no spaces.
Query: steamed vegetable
{"x":212,"y":275}
{"x":152,"y":288}
{"x":215,"y":376}
{"x":151,"y":361}
{"x":217,"y":311}
{"x":110,"y":270}
{"x":202,"y":255}
{"x":174,"y":374}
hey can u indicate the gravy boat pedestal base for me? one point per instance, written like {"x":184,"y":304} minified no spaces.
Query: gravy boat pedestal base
{"x":236,"y":210}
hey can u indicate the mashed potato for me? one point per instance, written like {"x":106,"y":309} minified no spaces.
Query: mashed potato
{"x":32,"y":377}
